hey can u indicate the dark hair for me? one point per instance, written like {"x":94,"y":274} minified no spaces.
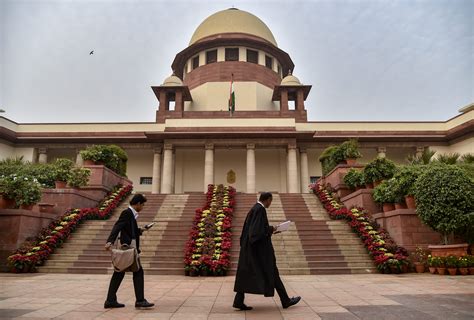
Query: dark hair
{"x":138,"y":198}
{"x":265,"y":196}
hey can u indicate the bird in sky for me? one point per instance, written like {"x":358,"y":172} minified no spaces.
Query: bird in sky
{"x":92,"y":52}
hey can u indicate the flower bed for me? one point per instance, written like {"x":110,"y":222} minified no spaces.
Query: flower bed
{"x":210,"y":239}
{"x":34,"y":253}
{"x":388,"y":257}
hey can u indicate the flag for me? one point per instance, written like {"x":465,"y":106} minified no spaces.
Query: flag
{"x":232,"y":96}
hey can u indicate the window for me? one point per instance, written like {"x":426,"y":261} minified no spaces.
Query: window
{"x":269,"y":62}
{"x":211,"y":56}
{"x":146,"y":180}
{"x":231,"y":54}
{"x":195,"y":62}
{"x":252,"y":56}
{"x":313,"y":179}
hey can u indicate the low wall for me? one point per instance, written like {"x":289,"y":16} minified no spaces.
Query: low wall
{"x":335,"y":178}
{"x":362,"y":198}
{"x":16,"y":225}
{"x":406,"y":228}
{"x":64,"y":199}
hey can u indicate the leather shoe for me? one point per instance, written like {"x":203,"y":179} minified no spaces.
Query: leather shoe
{"x":113,"y":304}
{"x":292,"y":302}
{"x":242,"y":307}
{"x":143,"y":304}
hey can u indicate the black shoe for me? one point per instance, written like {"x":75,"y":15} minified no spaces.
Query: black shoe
{"x":143,"y":304}
{"x":242,"y":307}
{"x":292,"y":302}
{"x":113,"y":304}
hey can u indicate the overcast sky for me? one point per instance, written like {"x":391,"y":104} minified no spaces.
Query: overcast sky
{"x":366,"y":60}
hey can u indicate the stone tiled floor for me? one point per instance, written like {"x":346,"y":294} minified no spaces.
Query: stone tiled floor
{"x":411,"y":296}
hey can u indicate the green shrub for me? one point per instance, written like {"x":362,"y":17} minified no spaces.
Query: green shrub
{"x":112,"y":156}
{"x":21,"y":188}
{"x":354,"y":178}
{"x":379,"y":169}
{"x":448,"y":158}
{"x":383,"y":193}
{"x":62,"y":169}
{"x":328,"y":160}
{"x":405,"y":177}
{"x":78,"y":177}
{"x":445,"y":198}
{"x":350,"y":149}
{"x":467,"y":158}
{"x":425,"y":157}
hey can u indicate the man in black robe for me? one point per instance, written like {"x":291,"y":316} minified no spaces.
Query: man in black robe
{"x":257,"y":271}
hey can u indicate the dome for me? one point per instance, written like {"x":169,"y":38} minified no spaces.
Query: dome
{"x":290,"y":80}
{"x":230,"y":21}
{"x":172,"y":81}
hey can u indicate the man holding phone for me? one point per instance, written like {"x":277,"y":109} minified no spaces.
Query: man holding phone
{"x":130,"y":233}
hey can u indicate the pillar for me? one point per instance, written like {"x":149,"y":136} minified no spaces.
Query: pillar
{"x":292,"y":169}
{"x":381,"y":152}
{"x":419,"y":151}
{"x":250,"y":168}
{"x":299,"y":99}
{"x":304,"y":171}
{"x":208,"y":165}
{"x":156,"y":178}
{"x":42,"y":155}
{"x":284,"y":100}
{"x":166,"y":183}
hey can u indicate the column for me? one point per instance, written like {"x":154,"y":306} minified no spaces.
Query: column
{"x":304,"y":171}
{"x":79,"y":161}
{"x":381,"y":152}
{"x":250,"y":168}
{"x":156,"y":178}
{"x":208,"y":165}
{"x":42,"y":155}
{"x":419,"y":152}
{"x":299,"y":99}
{"x":292,"y":169}
{"x":166,"y":183}
{"x":284,"y":101}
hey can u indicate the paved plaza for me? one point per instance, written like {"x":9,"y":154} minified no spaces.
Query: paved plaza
{"x":345,"y":297}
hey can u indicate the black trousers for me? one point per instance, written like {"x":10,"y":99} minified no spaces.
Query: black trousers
{"x":138,"y":285}
{"x":280,"y":288}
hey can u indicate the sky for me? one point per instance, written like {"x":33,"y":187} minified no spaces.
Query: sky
{"x":367,"y":60}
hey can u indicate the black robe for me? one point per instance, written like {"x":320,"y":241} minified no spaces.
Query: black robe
{"x":257,"y":263}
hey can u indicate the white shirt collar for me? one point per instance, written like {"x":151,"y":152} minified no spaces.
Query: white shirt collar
{"x":261,"y":204}
{"x":135,"y":213}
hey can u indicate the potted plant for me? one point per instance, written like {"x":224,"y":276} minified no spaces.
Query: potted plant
{"x":354,"y":179}
{"x":463,"y":265}
{"x":383,"y":195}
{"x":441,"y":265}
{"x":452,"y":264}
{"x":28,"y":193}
{"x":78,"y":177}
{"x":419,"y":258}
{"x":470,"y":260}
{"x":406,"y":177}
{"x":350,"y":151}
{"x":62,"y":170}
{"x":330,"y":158}
{"x":111,"y":156}
{"x":445,"y":197}
{"x":7,"y":191}
{"x":378,"y":170}
{"x":432,"y":263}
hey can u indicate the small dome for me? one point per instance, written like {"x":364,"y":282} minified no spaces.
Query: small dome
{"x":172,"y":81}
{"x":232,"y":20}
{"x":290,"y":80}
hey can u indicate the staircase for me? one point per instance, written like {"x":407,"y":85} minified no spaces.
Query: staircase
{"x":314,"y":244}
{"x":161,"y":246}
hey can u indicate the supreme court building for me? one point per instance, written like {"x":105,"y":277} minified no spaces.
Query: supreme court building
{"x":267,"y":143}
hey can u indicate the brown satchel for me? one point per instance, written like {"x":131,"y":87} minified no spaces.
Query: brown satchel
{"x":126,"y":258}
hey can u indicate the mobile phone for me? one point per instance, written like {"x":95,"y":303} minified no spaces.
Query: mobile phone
{"x":148,"y":226}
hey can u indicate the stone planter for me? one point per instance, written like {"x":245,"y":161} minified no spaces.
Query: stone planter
{"x":6,"y":203}
{"x":452,"y":271}
{"x":419,"y":267}
{"x":388,"y":207}
{"x":60,"y":184}
{"x":410,"y":201}
{"x":351,"y":161}
{"x":27,"y":206}
{"x":464,"y":271}
{"x":457,"y":250}
{"x":399,"y":206}
{"x":88,"y":163}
